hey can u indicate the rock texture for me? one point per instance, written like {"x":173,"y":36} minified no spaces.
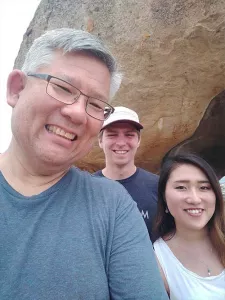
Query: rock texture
{"x":172,"y":54}
{"x":209,"y":138}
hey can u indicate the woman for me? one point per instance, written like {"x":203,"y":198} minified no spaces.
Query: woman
{"x":190,"y":230}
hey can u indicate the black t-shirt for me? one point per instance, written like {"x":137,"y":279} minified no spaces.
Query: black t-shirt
{"x":143,"y":188}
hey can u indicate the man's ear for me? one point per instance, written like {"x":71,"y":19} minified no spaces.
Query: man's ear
{"x":100,"y":142}
{"x":139,"y":141}
{"x":100,"y":138}
{"x":15,"y":84}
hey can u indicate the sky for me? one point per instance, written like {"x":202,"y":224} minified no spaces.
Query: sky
{"x":222,"y":180}
{"x":15,"y":17}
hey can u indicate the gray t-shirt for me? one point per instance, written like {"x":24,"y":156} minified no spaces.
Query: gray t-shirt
{"x":83,"y":238}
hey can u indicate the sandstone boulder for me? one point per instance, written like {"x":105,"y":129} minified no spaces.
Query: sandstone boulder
{"x":208,"y":139}
{"x":172,"y":54}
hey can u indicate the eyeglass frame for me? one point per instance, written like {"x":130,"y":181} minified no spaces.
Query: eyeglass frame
{"x":48,"y":77}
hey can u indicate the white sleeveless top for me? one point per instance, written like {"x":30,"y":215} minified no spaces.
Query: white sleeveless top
{"x":184,"y":284}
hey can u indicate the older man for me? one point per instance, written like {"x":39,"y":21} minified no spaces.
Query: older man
{"x":120,"y":138}
{"x":66,"y":234}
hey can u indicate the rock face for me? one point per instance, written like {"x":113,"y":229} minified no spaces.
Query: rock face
{"x":208,"y":139}
{"x":172,"y":54}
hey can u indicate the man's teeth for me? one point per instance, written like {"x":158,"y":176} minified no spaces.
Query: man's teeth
{"x":120,"y":151}
{"x":194,"y":211}
{"x":59,"y":131}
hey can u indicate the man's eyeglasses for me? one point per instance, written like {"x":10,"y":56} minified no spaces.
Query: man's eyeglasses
{"x":69,"y":94}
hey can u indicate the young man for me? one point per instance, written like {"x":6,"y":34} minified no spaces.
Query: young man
{"x":66,"y":234}
{"x":120,"y":138}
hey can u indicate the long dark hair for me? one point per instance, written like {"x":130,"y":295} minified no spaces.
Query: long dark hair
{"x":165,"y":224}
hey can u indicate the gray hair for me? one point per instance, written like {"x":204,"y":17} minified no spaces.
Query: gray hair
{"x":70,"y":40}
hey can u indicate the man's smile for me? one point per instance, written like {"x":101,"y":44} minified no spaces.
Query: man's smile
{"x":120,"y":151}
{"x":61,"y":132}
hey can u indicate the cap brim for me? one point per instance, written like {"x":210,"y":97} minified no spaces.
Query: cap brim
{"x":136,"y":124}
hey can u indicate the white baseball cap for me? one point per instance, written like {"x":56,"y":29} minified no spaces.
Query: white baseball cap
{"x":123,"y":114}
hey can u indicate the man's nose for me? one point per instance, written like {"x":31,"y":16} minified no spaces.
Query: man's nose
{"x":76,"y":111}
{"x":120,"y":141}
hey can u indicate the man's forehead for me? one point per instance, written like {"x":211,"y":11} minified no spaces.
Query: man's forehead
{"x":121,"y":125}
{"x":80,"y":70}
